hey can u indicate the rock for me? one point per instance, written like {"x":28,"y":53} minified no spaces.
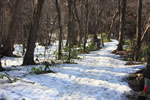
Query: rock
{"x":148,"y":97}
{"x":141,"y":83}
{"x":147,"y":84}
{"x":141,"y":96}
{"x":132,"y":77}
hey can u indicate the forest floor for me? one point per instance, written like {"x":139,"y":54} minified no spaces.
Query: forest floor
{"x":99,"y":75}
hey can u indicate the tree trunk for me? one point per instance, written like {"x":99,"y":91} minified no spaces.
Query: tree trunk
{"x":81,"y":25}
{"x":70,"y":27}
{"x":111,"y":26}
{"x":122,"y":26}
{"x":1,"y":68}
{"x":51,"y":31}
{"x":29,"y":55}
{"x":119,"y":8}
{"x":147,"y":70}
{"x":138,"y":30}
{"x":8,"y":48}
{"x":86,"y":25}
{"x":60,"y":30}
{"x":102,"y":41}
{"x":24,"y":40}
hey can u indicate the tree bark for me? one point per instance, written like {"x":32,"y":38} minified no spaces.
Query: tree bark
{"x":70,"y":27}
{"x":138,"y":30}
{"x":60,"y":30}
{"x":119,"y":8}
{"x":122,"y":26}
{"x":102,"y":41}
{"x":86,"y":25}
{"x":8,"y":48}
{"x":81,"y":24}
{"x":1,"y":68}
{"x":29,"y":55}
{"x":147,"y":70}
{"x":51,"y":31}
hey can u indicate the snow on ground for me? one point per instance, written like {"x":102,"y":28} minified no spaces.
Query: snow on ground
{"x":97,"y":76}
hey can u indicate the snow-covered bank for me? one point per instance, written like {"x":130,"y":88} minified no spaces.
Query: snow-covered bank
{"x":98,"y":76}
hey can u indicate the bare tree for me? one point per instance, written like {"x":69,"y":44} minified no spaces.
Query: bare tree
{"x":122,"y":26}
{"x":138,"y":30}
{"x":29,"y":55}
{"x":60,"y":30}
{"x":8,"y":48}
{"x":111,"y":26}
{"x":86,"y":24}
{"x":147,"y":70}
{"x":69,"y":27}
{"x":78,"y":20}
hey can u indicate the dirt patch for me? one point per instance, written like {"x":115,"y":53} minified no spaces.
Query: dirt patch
{"x":133,"y":63}
{"x":135,"y":80}
{"x":127,"y":56}
{"x":122,"y":53}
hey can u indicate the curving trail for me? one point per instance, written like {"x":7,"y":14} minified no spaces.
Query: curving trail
{"x":100,"y":75}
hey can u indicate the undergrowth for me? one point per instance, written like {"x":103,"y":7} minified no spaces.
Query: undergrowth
{"x":6,"y":75}
{"x":105,"y":39}
{"x":65,"y":54}
{"x":41,"y":70}
{"x":142,"y":52}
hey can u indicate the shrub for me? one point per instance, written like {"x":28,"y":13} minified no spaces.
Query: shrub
{"x":81,"y":51}
{"x":91,"y":47}
{"x":41,"y":70}
{"x":7,"y":76}
{"x":47,"y":65}
{"x":36,"y":70}
{"x":127,"y":42}
{"x":74,"y":53}
{"x":105,"y":39}
{"x":143,"y":53}
{"x":65,"y":54}
{"x":66,"y":49}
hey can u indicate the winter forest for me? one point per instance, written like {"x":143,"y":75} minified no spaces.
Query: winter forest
{"x":74,"y":49}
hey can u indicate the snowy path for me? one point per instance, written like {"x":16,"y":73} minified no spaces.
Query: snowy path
{"x":98,"y":76}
